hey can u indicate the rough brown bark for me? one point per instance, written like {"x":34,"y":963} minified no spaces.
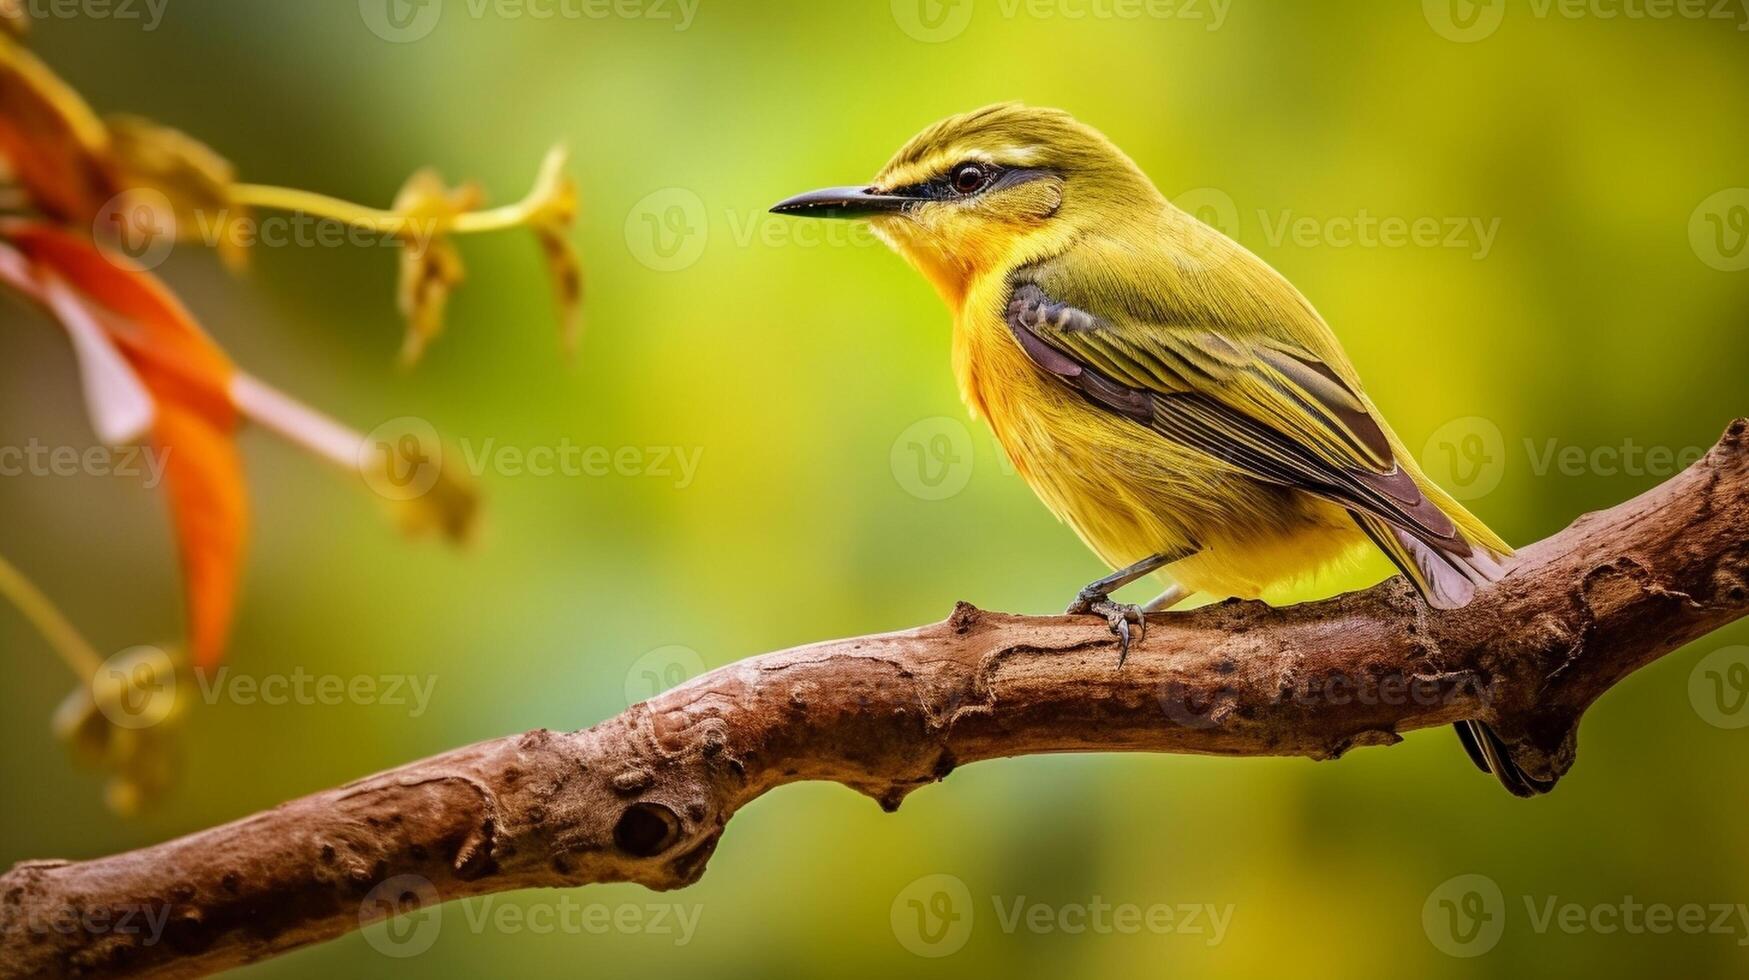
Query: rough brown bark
{"x":644,"y":796}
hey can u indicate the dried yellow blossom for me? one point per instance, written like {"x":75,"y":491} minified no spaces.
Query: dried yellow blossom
{"x":430,"y":266}
{"x":196,"y":181}
{"x":551,"y":221}
{"x":55,"y":147}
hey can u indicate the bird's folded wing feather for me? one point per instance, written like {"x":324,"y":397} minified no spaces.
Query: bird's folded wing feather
{"x":1262,"y":403}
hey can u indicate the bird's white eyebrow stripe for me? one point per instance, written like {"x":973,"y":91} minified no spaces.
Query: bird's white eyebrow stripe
{"x":1016,"y":156}
{"x":937,"y":163}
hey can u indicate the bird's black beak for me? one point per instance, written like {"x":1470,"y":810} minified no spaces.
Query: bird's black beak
{"x":842,"y":202}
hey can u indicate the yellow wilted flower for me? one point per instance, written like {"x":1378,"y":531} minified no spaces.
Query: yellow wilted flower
{"x":149,"y":371}
{"x":78,"y":185}
{"x":125,"y":717}
{"x":78,"y":169}
{"x":430,"y":265}
{"x":427,"y":214}
{"x":85,"y":171}
{"x":551,"y":221}
{"x":127,"y":720}
{"x":194,"y":180}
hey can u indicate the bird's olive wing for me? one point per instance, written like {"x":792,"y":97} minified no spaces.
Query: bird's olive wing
{"x":1273,"y":411}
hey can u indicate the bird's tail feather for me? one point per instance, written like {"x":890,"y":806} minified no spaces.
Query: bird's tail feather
{"x":1448,"y":580}
{"x":1445,"y":577}
{"x":1490,"y":755}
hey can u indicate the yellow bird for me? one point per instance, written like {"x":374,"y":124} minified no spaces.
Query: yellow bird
{"x":1161,"y":389}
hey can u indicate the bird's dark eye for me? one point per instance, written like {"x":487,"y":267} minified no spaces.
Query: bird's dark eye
{"x":968,"y":178}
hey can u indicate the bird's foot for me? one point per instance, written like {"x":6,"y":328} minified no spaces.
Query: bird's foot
{"x":1119,"y":616}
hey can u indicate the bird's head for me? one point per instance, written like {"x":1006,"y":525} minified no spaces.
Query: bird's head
{"x":988,"y":190}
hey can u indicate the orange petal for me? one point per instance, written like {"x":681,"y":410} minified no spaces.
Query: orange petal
{"x":149,"y":322}
{"x":56,"y":147}
{"x":194,"y":424}
{"x":120,"y":407}
{"x":210,"y":510}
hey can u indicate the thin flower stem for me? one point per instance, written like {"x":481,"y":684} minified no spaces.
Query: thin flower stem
{"x":376,"y":219}
{"x":79,"y":655}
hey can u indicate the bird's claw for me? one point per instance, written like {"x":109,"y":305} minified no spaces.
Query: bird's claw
{"x":1118,"y":615}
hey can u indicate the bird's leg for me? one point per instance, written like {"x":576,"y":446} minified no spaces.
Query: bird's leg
{"x":1096,"y":598}
{"x":1102,"y":589}
{"x":1166,"y":600}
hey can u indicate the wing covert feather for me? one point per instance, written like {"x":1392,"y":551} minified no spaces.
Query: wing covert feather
{"x":1273,"y":410}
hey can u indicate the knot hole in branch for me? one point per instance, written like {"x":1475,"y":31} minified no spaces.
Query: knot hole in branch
{"x":646,"y":829}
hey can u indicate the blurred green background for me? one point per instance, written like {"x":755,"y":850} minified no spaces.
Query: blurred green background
{"x":807,"y":369}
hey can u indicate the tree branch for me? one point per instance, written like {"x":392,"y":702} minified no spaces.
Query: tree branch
{"x":644,"y":796}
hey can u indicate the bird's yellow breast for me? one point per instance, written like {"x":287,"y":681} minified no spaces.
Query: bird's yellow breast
{"x":1126,"y":491}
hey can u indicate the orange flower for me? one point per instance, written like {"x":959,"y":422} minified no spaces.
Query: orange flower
{"x":51,"y":141}
{"x":89,"y":173}
{"x":74,"y":187}
{"x":147,"y":368}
